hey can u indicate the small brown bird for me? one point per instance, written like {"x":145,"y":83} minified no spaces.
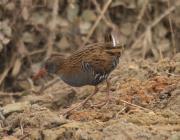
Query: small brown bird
{"x":89,"y":65}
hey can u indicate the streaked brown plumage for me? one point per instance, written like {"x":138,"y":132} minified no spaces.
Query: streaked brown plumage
{"x":88,"y":66}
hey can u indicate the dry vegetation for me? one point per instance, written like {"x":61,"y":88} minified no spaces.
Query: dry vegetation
{"x":145,"y":86}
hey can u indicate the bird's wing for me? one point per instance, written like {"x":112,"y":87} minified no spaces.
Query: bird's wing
{"x":102,"y":61}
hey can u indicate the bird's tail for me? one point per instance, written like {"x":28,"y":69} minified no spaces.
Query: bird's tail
{"x":113,"y":37}
{"x":113,"y":46}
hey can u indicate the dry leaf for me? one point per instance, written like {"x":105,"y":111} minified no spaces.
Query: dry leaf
{"x":26,"y":3}
{"x":63,"y":43}
{"x":161,"y":31}
{"x":5,"y":29}
{"x":164,"y":44}
{"x":28,"y":37}
{"x":62,"y":22}
{"x":88,"y":15}
{"x":4,"y":39}
{"x":131,"y":4}
{"x":72,"y":12}
{"x":10,"y":6}
{"x":17,"y":67}
{"x":84,"y":27}
{"x":21,"y":48}
{"x":25,"y":13}
{"x":39,"y":18}
{"x":126,"y":28}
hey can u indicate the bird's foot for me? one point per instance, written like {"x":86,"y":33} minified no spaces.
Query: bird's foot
{"x":74,"y":107}
{"x":80,"y":104}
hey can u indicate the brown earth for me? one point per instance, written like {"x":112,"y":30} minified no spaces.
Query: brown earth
{"x":153,"y":86}
{"x":145,"y":87}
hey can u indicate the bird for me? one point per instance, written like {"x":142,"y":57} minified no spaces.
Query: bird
{"x":89,"y":65}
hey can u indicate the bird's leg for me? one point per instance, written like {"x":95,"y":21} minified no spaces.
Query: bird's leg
{"x":82,"y":103}
{"x":108,"y":98}
{"x":90,"y":96}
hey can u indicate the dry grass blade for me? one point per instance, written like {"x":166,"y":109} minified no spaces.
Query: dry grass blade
{"x":147,"y":42}
{"x":137,"y":106}
{"x":109,"y":23}
{"x":154,"y":23}
{"x":16,"y":67}
{"x":139,"y":19}
{"x":97,"y":21}
{"x":7,"y":69}
{"x":172,"y":31}
{"x":52,"y":28}
{"x":44,"y":87}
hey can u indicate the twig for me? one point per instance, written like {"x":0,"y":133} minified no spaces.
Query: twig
{"x":2,"y":115}
{"x":172,"y":74}
{"x":24,"y":136}
{"x":122,"y":110}
{"x":5,"y":73}
{"x":167,"y":12}
{"x":3,"y":122}
{"x":44,"y":87}
{"x":137,"y":106}
{"x":97,"y":21}
{"x":109,"y":23}
{"x":21,"y":128}
{"x":18,"y":94}
{"x":154,"y":23}
{"x":139,"y":18}
{"x":172,"y":31}
{"x":52,"y":28}
{"x":37,"y":52}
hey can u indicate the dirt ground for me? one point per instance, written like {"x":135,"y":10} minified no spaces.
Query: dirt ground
{"x":145,"y":87}
{"x":152,"y":111}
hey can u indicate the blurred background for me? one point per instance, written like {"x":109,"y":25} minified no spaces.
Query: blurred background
{"x":31,"y":30}
{"x":145,"y":86}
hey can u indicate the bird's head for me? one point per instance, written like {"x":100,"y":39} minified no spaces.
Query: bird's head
{"x":51,"y":66}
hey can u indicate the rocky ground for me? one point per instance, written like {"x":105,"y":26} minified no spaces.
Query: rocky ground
{"x":152,"y":112}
